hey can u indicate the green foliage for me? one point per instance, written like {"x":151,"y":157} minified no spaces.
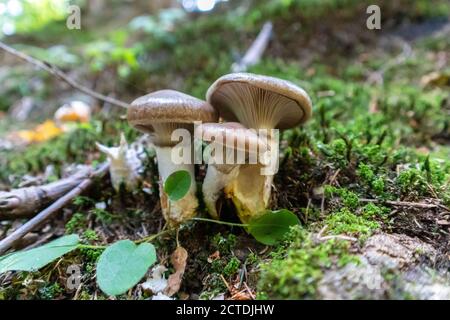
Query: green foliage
{"x":34,"y":15}
{"x":122,"y":265}
{"x":34,"y":259}
{"x":272,"y":226}
{"x":177,"y":185}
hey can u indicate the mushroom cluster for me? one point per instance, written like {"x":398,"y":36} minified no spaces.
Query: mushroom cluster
{"x":245,"y":103}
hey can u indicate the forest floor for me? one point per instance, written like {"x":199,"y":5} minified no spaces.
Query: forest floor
{"x":368,"y":176}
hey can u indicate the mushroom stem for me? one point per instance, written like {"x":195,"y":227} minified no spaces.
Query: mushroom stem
{"x":250,"y":191}
{"x":217,"y":178}
{"x":175,"y":212}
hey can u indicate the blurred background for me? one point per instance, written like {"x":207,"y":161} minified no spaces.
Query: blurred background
{"x":126,"y":48}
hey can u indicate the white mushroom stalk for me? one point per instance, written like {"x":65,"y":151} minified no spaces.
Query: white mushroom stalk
{"x":160,"y":114}
{"x":258,"y":102}
{"x":175,"y":212}
{"x":231,"y":144}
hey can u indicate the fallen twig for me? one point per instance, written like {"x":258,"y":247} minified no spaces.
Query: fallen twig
{"x":407,"y":204}
{"x":46,"y":214}
{"x":256,"y":50}
{"x":61,"y":75}
{"x":321,"y":238}
{"x":338,"y":237}
{"x":24,"y":202}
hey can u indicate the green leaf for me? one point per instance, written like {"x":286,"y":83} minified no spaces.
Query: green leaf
{"x":34,"y":259}
{"x":122,"y":265}
{"x":272,"y":226}
{"x":177,"y":185}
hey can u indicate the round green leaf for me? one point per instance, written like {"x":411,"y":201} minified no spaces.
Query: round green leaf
{"x":122,"y":265}
{"x":177,"y":185}
{"x":34,"y":259}
{"x":272,"y":226}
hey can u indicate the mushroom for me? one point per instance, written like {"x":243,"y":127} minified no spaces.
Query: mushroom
{"x":257,"y":102}
{"x":231,"y":144}
{"x":159,"y":114}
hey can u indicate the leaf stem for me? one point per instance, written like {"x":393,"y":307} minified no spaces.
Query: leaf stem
{"x":153,"y":236}
{"x":221,"y":222}
{"x":146,"y":239}
{"x":88,"y":246}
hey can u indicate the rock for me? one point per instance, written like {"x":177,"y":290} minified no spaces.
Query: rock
{"x":390,"y":266}
{"x":425,"y":283}
{"x":354,"y":281}
{"x":394,"y":251}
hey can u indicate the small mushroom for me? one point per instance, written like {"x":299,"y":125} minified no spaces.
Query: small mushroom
{"x":159,"y":114}
{"x":257,"y":102}
{"x":228,"y":142}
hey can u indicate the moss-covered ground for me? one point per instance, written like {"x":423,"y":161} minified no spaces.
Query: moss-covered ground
{"x":379,"y":135}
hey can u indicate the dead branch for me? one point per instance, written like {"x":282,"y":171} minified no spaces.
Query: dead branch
{"x":24,"y":202}
{"x":46,"y":214}
{"x":256,"y":50}
{"x":52,"y":69}
{"x":407,"y":204}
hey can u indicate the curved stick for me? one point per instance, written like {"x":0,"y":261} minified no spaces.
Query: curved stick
{"x":46,"y":214}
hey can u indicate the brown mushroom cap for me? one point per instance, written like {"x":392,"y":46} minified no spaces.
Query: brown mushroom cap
{"x":161,"y":112}
{"x":259,"y":101}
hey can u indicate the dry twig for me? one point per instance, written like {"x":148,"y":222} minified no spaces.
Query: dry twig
{"x":407,"y":204}
{"x":24,"y":202}
{"x":46,"y":214}
{"x":62,"y":76}
{"x":256,"y":50}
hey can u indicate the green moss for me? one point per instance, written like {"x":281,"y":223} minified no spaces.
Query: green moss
{"x":213,"y":285}
{"x":50,"y":291}
{"x":225,"y":245}
{"x":372,"y":211}
{"x":232,"y":267}
{"x":77,"y":222}
{"x":297,"y":267}
{"x":90,"y":235}
{"x":346,"y":222}
{"x":349,"y":198}
{"x":412,"y":180}
{"x":90,"y":255}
